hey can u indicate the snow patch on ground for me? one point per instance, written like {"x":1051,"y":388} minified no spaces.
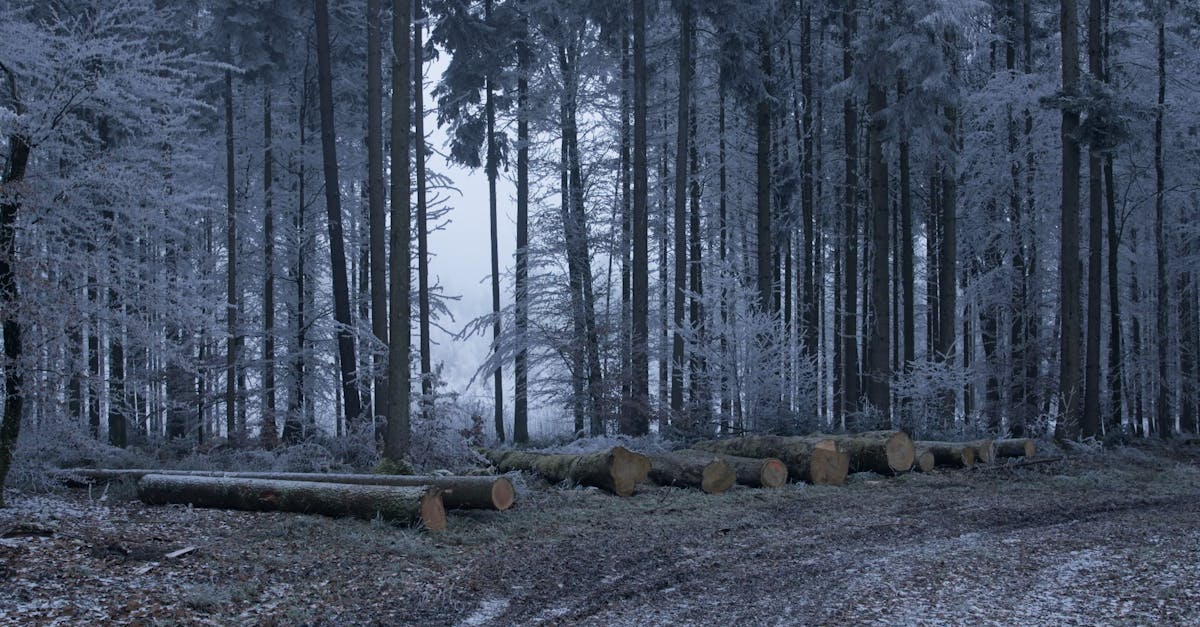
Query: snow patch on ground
{"x":488,"y":610}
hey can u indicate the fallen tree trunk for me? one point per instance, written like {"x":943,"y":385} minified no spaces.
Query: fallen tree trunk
{"x":1016,"y":447}
{"x":819,"y":461}
{"x":403,"y":504}
{"x":617,"y":470}
{"x":457,"y":492}
{"x":951,"y":454}
{"x":985,"y":451}
{"x":767,"y":472}
{"x":706,"y":471}
{"x":883,"y":452}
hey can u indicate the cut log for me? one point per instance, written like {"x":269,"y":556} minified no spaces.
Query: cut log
{"x":1016,"y":447}
{"x":925,"y":460}
{"x":401,"y":504}
{"x":950,"y":454}
{"x":753,"y":472}
{"x":819,"y":461}
{"x":706,"y":471}
{"x":985,"y":451}
{"x":617,"y":470}
{"x":882,"y":452}
{"x":457,"y":492}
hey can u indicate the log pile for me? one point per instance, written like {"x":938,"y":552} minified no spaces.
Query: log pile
{"x":753,"y":472}
{"x":617,"y":470}
{"x":458,"y":492}
{"x":815,"y":460}
{"x":401,"y":504}
{"x":949,"y":454}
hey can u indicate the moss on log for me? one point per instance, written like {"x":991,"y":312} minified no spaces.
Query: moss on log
{"x":754,"y":472}
{"x":882,"y":452}
{"x":706,"y":471}
{"x":617,"y":470}
{"x":950,"y":454}
{"x":402,"y":504}
{"x":457,"y":492}
{"x":1016,"y":447}
{"x":819,"y":461}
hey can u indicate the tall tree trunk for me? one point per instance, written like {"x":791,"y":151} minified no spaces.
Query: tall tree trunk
{"x":1090,"y":425}
{"x":728,"y":361}
{"x":231,"y":291}
{"x":267,"y":437}
{"x":375,"y":202}
{"x":637,"y":417}
{"x":14,"y":392}
{"x":521,"y":363}
{"x":878,"y":370}
{"x":333,"y":206}
{"x":418,"y":119}
{"x":293,"y":422}
{"x":399,"y":427}
{"x":492,"y":165}
{"x":1116,"y":379}
{"x":1069,"y":284}
{"x":907,"y":280}
{"x":680,"y":218}
{"x":849,"y":319}
{"x":948,"y":242}
{"x":1164,"y":418}
{"x":626,"y":209}
{"x":698,"y":391}
{"x":807,"y":200}
{"x":577,"y":350}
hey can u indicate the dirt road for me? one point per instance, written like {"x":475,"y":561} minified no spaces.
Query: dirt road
{"x":1112,"y":538}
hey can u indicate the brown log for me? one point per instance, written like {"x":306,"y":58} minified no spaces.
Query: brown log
{"x":925,"y":461}
{"x":457,"y":492}
{"x":985,"y":451}
{"x":950,"y":454}
{"x":883,"y":452}
{"x":401,"y":504}
{"x":819,"y":461}
{"x":617,"y":470}
{"x":706,"y":471}
{"x":1016,"y":447}
{"x":750,"y":471}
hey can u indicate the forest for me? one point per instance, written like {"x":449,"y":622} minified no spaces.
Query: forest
{"x":969,"y":217}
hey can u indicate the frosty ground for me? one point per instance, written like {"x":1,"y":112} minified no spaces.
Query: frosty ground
{"x":1099,"y":537}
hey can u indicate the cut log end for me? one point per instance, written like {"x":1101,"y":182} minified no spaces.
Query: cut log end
{"x":925,"y":461}
{"x":717,"y":477}
{"x":985,"y":451}
{"x":627,"y":470}
{"x":900,"y":452}
{"x":829,"y":466}
{"x":773,"y":473}
{"x":503,"y":493}
{"x":433,"y":511}
{"x":1016,"y":447}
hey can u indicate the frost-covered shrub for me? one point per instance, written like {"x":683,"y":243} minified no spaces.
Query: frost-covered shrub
{"x":43,"y":449}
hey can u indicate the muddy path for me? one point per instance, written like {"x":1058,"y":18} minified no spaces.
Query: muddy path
{"x":1112,"y":538}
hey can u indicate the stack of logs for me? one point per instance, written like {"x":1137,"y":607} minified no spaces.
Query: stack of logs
{"x":403,"y":499}
{"x":714,"y":466}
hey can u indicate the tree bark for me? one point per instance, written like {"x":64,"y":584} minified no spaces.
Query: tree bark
{"x":707,"y":472}
{"x":492,"y":172}
{"x":268,"y":437}
{"x":617,"y":470}
{"x":951,"y":454}
{"x":405,"y":505}
{"x":14,"y":380}
{"x":849,"y":318}
{"x":333,"y":207}
{"x":883,"y":452}
{"x":1090,"y":424}
{"x":878,"y":371}
{"x":231,"y":291}
{"x":947,"y":251}
{"x":814,"y":460}
{"x":1015,"y":447}
{"x":1163,"y":416}
{"x":399,"y":430}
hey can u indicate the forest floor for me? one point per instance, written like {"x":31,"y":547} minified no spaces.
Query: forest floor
{"x":1099,"y":537}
